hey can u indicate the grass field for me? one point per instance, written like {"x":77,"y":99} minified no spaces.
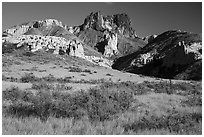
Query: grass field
{"x":49,"y":94}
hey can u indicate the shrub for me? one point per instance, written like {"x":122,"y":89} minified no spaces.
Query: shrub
{"x":29,"y":54}
{"x":108,"y":74}
{"x":29,"y":77}
{"x":60,"y":87}
{"x":136,"y":89}
{"x":75,"y":69}
{"x":103,"y":104}
{"x":87,"y":71}
{"x":193,"y":100}
{"x":64,"y":80}
{"x":42,"y":85}
{"x":49,"y":78}
{"x":181,"y":88}
{"x":11,"y":79}
{"x":11,"y":94}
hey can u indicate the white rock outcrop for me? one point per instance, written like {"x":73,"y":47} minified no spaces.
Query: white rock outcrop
{"x":111,"y":47}
{"x":17,"y":31}
{"x":99,"y":61}
{"x":21,"y":29}
{"x":57,"y":45}
{"x":107,"y":25}
{"x":74,"y":30}
{"x":180,"y":54}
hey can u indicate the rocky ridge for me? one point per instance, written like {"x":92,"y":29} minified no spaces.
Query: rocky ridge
{"x":51,"y":36}
{"x":168,"y":55}
{"x":102,"y":39}
{"x":149,"y":38}
{"x":23,"y":28}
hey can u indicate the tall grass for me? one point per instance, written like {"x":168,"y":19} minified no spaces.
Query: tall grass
{"x":97,"y":104}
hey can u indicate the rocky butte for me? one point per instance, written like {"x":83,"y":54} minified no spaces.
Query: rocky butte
{"x":110,"y":35}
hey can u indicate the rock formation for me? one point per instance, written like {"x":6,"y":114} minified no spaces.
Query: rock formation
{"x":57,"y":45}
{"x":111,"y":47}
{"x":149,"y":38}
{"x":23,"y":28}
{"x":74,"y":30}
{"x":52,"y":36}
{"x":105,"y":32}
{"x":52,"y":44}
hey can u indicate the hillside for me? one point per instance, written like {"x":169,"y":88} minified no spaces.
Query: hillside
{"x":166,"y":56}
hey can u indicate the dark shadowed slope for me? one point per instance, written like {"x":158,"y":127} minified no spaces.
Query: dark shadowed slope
{"x":170,"y":54}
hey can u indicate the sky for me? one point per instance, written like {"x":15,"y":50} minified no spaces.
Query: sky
{"x":147,"y":18}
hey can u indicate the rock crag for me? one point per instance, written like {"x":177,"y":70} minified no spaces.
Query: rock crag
{"x":110,"y":35}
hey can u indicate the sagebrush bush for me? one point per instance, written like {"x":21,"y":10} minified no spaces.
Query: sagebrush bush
{"x":45,"y":86}
{"x":128,"y":86}
{"x":42,"y":85}
{"x":103,"y":104}
{"x":75,"y":69}
{"x":49,"y":78}
{"x":97,"y":104}
{"x":174,"y":88}
{"x":174,"y":122}
{"x":11,"y":79}
{"x":64,"y":80}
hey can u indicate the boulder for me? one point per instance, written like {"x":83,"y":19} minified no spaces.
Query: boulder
{"x":76,"y":49}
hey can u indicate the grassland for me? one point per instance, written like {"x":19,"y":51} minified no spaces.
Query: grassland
{"x":110,"y":108}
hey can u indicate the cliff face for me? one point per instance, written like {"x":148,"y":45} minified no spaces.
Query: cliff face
{"x":119,"y":23}
{"x":111,"y":35}
{"x":166,"y":56}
